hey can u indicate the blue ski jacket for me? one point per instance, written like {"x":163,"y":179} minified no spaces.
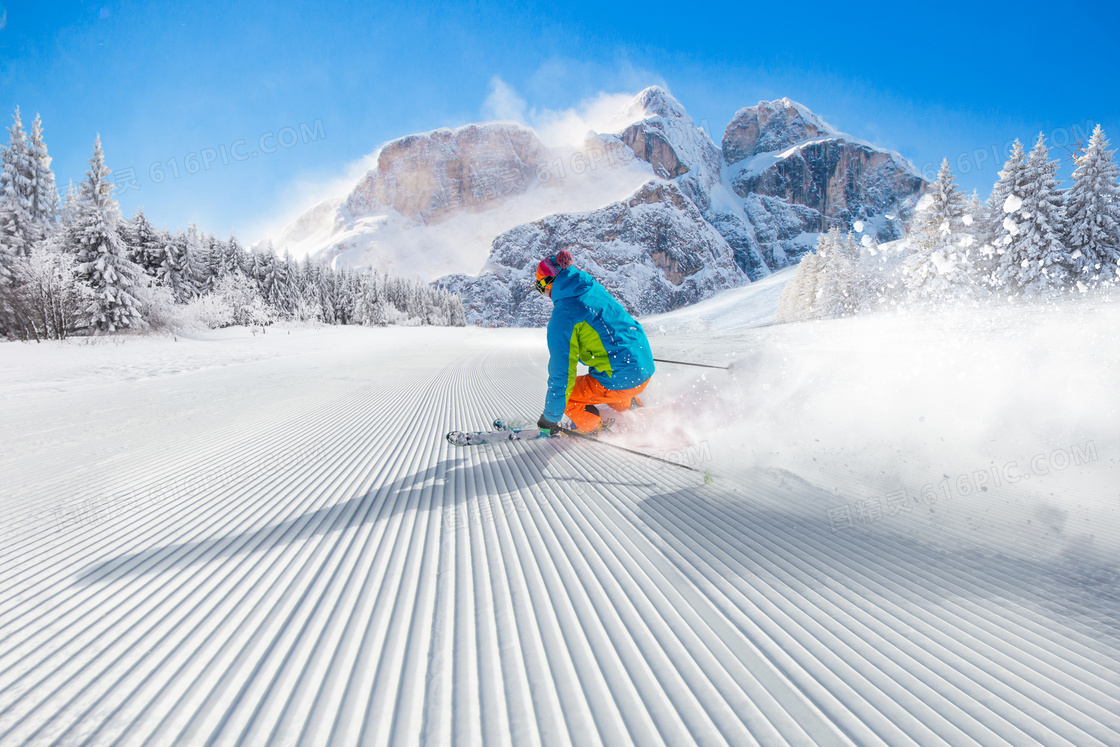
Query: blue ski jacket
{"x":589,"y":326}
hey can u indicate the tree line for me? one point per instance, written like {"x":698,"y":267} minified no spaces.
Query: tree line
{"x":1031,"y":240}
{"x":73,"y":265}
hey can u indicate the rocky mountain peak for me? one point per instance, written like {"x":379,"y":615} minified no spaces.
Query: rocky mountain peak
{"x":652,"y":102}
{"x":659,"y":131}
{"x":653,"y":251}
{"x":427,"y":178}
{"x":770,"y":126}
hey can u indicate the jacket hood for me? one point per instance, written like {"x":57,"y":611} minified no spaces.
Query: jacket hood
{"x":571,"y":283}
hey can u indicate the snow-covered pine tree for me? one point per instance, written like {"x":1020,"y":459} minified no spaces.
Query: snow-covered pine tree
{"x":395,"y":293}
{"x":428,"y":309}
{"x":231,"y":257}
{"x":812,"y":268}
{"x":336,"y":293}
{"x":258,"y":268}
{"x":370,"y":307}
{"x":995,"y":233}
{"x":836,"y":280}
{"x":433,"y":314}
{"x":344,"y":293}
{"x":977,"y":260}
{"x":44,"y":193}
{"x":348,"y":297}
{"x":354,"y":294}
{"x":170,"y":272}
{"x":68,"y":213}
{"x":291,"y":283}
{"x":798,"y":299}
{"x":102,"y":256}
{"x":145,"y":245}
{"x":343,"y":301}
{"x":939,"y":270}
{"x":204,"y":265}
{"x":851,"y":247}
{"x":214,"y":256}
{"x":1093,"y":212}
{"x":872,"y":277}
{"x":274,"y":287}
{"x":413,"y":308}
{"x":328,"y":295}
{"x":247,"y":260}
{"x":27,"y":214}
{"x":784,"y":313}
{"x":457,"y":315}
{"x":126,"y":229}
{"x":1034,"y":260}
{"x":309,"y":308}
{"x":17,"y":228}
{"x":860,"y":293}
{"x":11,"y":237}
{"x":366,"y":294}
{"x":191,"y":252}
{"x":8,"y":264}
{"x":974,"y":223}
{"x":296,"y":278}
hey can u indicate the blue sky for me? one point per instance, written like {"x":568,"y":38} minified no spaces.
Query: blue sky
{"x":331,"y":82}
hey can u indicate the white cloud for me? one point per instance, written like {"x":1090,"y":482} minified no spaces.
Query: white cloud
{"x":503,"y":104}
{"x":556,"y":127}
{"x":570,"y":126}
{"x":301,"y":195}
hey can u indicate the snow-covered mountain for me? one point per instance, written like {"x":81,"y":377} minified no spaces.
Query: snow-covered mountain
{"x":434,"y":203}
{"x":427,"y":179}
{"x":654,"y":208}
{"x":654,"y":251}
{"x":779,"y":155}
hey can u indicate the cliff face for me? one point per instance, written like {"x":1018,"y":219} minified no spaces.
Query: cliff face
{"x":840,"y":180}
{"x":797,"y":176}
{"x":661,"y":215}
{"x":781,"y":176}
{"x":428,"y":178}
{"x":662,"y":134}
{"x":653,"y":251}
{"x":768,"y":127}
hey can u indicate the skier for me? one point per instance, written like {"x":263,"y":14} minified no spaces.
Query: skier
{"x":589,"y":326}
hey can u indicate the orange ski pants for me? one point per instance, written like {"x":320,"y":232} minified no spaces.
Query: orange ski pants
{"x":588,"y":391}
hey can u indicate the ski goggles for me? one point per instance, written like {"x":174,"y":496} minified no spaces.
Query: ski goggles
{"x":543,"y":282}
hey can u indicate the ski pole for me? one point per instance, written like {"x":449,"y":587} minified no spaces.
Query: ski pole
{"x":569,"y":432}
{"x":698,"y":365}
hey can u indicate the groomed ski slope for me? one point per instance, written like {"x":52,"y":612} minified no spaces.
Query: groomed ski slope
{"x":239,"y":539}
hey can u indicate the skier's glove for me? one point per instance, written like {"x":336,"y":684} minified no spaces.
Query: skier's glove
{"x":548,"y":428}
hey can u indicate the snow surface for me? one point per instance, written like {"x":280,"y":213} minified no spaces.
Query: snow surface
{"x":264,"y":539}
{"x":736,"y":309}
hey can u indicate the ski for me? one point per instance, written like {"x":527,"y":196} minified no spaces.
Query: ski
{"x":708,"y":479}
{"x":505,"y":429}
{"x":514,"y":430}
{"x":466,"y":438}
